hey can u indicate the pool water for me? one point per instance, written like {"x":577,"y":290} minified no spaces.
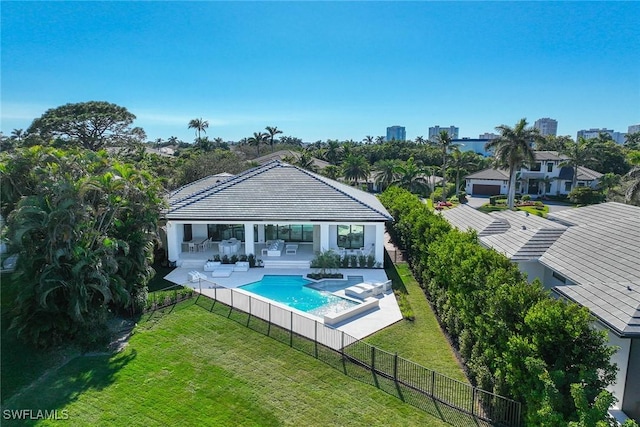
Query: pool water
{"x":294,"y":292}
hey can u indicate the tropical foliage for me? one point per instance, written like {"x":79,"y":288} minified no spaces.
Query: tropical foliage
{"x":512,"y":149}
{"x":83,"y":227}
{"x":93,"y":125}
{"x":514,"y":337}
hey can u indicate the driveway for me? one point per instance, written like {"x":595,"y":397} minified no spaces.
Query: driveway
{"x":477,"y":201}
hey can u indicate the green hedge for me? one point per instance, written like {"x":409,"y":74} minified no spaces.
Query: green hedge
{"x":514,"y":337}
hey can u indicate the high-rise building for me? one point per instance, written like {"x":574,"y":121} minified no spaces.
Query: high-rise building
{"x":396,"y":132}
{"x":618,"y":137}
{"x":488,"y":135}
{"x":435,"y":131}
{"x":546,"y":126}
{"x":633,"y":129}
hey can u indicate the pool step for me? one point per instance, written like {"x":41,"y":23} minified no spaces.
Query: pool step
{"x":287,"y":264}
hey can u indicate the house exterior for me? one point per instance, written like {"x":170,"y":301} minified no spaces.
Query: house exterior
{"x":589,"y":255}
{"x":545,"y":177}
{"x":275,"y":202}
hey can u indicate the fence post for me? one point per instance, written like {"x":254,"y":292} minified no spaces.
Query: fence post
{"x":269,"y":325}
{"x":395,"y":367}
{"x":249,"y":318}
{"x":291,"y":330}
{"x":373,"y":358}
{"x":315,"y":339}
{"x":433,"y":382}
{"x":342,"y":345}
{"x":473,"y":402}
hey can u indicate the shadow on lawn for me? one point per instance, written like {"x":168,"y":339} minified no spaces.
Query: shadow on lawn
{"x":57,"y":389}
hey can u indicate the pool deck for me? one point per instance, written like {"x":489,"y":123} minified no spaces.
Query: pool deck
{"x":358,"y":327}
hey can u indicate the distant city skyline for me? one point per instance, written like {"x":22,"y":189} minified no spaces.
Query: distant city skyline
{"x":321,"y":70}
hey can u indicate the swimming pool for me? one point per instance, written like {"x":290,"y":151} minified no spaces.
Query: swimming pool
{"x":294,"y":292}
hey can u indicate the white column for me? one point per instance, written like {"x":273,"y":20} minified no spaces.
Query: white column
{"x":324,"y":237}
{"x":249,"y":246}
{"x":174,"y":240}
{"x":380,"y":243}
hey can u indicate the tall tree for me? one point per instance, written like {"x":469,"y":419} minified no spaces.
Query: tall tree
{"x":420,"y":140}
{"x":199,"y":125}
{"x":368,"y":139}
{"x":272,"y":131}
{"x":411,"y":176}
{"x":443,"y":140}
{"x":578,"y":153}
{"x":380,"y":139}
{"x":355,"y":168}
{"x":93,"y":124}
{"x":17,"y":134}
{"x":258,"y":139}
{"x":512,"y":149}
{"x":386,"y":173}
{"x":462,"y":161}
{"x":632,"y":194}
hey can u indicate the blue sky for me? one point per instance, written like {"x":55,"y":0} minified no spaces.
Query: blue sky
{"x":320,"y":70}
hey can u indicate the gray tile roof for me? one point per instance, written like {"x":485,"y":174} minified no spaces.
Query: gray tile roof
{"x":600,"y":256}
{"x":523,"y":245}
{"x":603,"y":212}
{"x":491,"y":173}
{"x":617,"y":304}
{"x":199,"y":185}
{"x":548,"y":155}
{"x":584,"y":174}
{"x":275,"y":191}
{"x":464,"y":218}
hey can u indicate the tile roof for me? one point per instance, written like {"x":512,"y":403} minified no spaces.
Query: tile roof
{"x":283,"y":154}
{"x":616,"y":304}
{"x":584,"y":174}
{"x":600,"y":257}
{"x":275,"y":191}
{"x":548,"y":155}
{"x":491,"y":173}
{"x":603,"y":212}
{"x":464,"y":217}
{"x":199,"y":185}
{"x":523,"y":245}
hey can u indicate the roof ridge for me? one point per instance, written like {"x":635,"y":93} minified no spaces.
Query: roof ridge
{"x":225,"y":184}
{"x":321,"y":179}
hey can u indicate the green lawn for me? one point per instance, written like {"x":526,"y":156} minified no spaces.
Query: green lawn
{"x":192,"y":367}
{"x":421,"y":340}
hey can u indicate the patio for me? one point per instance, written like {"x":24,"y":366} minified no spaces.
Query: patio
{"x":359,"y":326}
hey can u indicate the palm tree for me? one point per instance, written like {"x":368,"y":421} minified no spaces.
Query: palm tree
{"x":272,"y":131}
{"x":633,"y":190}
{"x":412,"y":177}
{"x":331,"y":171}
{"x":387,"y":174}
{"x":462,"y":161}
{"x":199,"y":125}
{"x":578,"y":153}
{"x":379,"y":139}
{"x":17,"y":134}
{"x":443,"y":140}
{"x":420,"y":140}
{"x":546,"y":184}
{"x":257,"y":139}
{"x":355,"y":168}
{"x":332,"y":155}
{"x":368,"y":139}
{"x":513,"y":148}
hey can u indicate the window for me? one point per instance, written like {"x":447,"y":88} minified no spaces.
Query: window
{"x":289,"y":233}
{"x":351,"y":236}
{"x":188,"y":233}
{"x":549,"y":167}
{"x":567,"y":186}
{"x":536,"y":167}
{"x":219,"y":232}
{"x":581,"y":184}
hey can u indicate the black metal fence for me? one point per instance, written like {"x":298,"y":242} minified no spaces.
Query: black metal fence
{"x":454,"y":401}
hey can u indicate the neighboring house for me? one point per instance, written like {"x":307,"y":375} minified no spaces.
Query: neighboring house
{"x":590,"y":255}
{"x":545,"y":176}
{"x":284,"y":155}
{"x":276,"y":201}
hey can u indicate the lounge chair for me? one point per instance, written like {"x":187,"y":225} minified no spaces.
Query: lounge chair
{"x":291,"y":249}
{"x":223,"y":270}
{"x":364,"y":290}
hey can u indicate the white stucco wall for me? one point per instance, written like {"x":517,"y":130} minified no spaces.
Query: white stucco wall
{"x":620,"y":358}
{"x":533,"y":270}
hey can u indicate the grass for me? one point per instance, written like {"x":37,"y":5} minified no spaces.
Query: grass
{"x":421,"y":340}
{"x":192,"y":367}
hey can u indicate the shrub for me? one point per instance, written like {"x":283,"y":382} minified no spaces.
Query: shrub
{"x":526,"y":198}
{"x":252,"y":260}
{"x":586,"y":196}
{"x":371,"y":261}
{"x":216,"y":257}
{"x":353,"y":261}
{"x":225,"y":259}
{"x":233,"y":259}
{"x":362,"y":261}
